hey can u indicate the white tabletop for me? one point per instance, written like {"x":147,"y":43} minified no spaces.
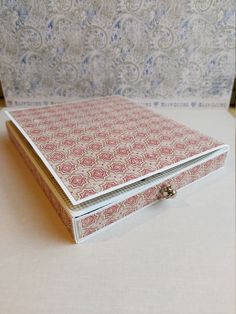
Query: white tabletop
{"x":176,"y":257}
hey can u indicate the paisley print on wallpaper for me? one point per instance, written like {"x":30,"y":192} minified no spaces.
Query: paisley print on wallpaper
{"x":166,"y":49}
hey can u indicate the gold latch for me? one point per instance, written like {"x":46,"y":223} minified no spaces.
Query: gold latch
{"x":168,"y":192}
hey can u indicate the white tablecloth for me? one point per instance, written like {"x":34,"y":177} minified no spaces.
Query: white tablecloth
{"x":176,"y":257}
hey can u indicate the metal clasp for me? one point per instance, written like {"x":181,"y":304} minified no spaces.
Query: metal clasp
{"x":168,"y":192}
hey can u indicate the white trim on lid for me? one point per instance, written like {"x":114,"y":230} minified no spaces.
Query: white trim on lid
{"x":80,"y":201}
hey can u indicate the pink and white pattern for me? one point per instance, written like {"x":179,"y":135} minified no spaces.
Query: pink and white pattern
{"x":62,"y":213}
{"x":96,"y":221}
{"x":97,"y":145}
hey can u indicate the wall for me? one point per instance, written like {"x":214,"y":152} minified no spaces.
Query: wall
{"x":176,"y":52}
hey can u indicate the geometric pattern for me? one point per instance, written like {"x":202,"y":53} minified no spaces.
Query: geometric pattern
{"x":62,"y":213}
{"x":98,"y":220}
{"x":97,"y":145}
{"x":90,"y":223}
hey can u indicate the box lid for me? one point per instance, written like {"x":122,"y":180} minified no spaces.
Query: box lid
{"x":97,"y":146}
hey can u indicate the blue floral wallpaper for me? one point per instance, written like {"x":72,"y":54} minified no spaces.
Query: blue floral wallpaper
{"x":168,"y":51}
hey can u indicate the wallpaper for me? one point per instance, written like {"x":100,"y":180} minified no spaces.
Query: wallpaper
{"x":173,"y":52}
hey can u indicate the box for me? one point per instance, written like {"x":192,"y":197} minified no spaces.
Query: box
{"x":102,"y":159}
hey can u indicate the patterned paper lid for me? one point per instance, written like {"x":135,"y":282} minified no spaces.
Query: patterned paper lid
{"x":96,"y":146}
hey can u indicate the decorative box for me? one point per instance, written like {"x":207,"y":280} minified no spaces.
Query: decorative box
{"x":100,"y":160}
